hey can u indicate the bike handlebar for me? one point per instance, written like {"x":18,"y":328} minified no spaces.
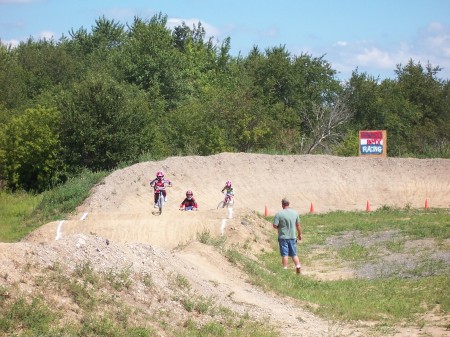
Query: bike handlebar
{"x":159,"y":188}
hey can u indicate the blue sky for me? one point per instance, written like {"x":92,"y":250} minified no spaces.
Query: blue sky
{"x":372,"y":36}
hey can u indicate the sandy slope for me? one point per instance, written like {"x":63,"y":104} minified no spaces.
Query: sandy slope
{"x":120,"y":209}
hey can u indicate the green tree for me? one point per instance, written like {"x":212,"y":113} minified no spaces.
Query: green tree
{"x":45,"y":64}
{"x":105,"y":122}
{"x":150,"y":60}
{"x":414,"y":109}
{"x":361,"y":93}
{"x":191,"y":130}
{"x":199,"y":57}
{"x":398,"y":116}
{"x":30,"y":151}
{"x":245,"y":117}
{"x":424,"y":90}
{"x":107,"y":34}
{"x":294,"y":88}
{"x":13,"y":91}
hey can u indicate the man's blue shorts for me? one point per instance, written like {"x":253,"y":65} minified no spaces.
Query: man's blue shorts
{"x":288,"y":247}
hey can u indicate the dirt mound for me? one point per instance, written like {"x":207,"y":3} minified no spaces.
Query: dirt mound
{"x":208,"y":274}
{"x":121,"y":207}
{"x":115,"y":226}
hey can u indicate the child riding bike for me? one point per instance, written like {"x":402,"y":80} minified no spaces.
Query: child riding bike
{"x":159,"y":187}
{"x":189,"y":203}
{"x":229,"y":191}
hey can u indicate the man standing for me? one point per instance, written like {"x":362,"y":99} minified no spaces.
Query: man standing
{"x":287,"y":222}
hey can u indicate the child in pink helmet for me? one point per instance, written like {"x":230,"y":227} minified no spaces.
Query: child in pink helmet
{"x":229,"y":190}
{"x":159,"y":186}
{"x":189,"y":203}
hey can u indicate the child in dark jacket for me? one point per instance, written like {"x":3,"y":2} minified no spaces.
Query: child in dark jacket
{"x":189,"y":203}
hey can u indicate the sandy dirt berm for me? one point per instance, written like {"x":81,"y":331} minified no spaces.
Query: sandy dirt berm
{"x":120,"y":209}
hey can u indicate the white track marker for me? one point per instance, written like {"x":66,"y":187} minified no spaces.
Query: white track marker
{"x":230,"y":213}
{"x":84,"y":216}
{"x":222,"y":227}
{"x":224,"y":221}
{"x":58,"y":230}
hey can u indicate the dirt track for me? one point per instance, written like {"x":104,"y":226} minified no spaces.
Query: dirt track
{"x":120,"y":210}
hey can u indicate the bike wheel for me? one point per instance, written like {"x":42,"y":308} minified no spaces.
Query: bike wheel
{"x":220,"y":205}
{"x":160,"y":203}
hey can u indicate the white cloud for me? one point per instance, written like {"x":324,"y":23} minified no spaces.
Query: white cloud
{"x":210,"y":30}
{"x":271,"y":32}
{"x":360,"y":54}
{"x":436,"y":27}
{"x":47,"y":35}
{"x":375,"y":57}
{"x":13,"y":43}
{"x":430,"y":45}
{"x":435,"y":39}
{"x":341,"y":44}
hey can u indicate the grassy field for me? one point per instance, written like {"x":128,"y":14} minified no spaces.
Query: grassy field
{"x":21,"y":212}
{"x":15,"y":209}
{"x":400,"y":260}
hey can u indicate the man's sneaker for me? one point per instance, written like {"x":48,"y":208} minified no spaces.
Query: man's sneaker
{"x":156,"y":206}
{"x":165,"y":199}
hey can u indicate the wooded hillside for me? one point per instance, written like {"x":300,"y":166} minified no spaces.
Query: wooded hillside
{"x":122,"y":93}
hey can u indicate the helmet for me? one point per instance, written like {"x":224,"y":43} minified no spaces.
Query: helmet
{"x":228,"y":183}
{"x":159,"y":174}
{"x":189,"y":194}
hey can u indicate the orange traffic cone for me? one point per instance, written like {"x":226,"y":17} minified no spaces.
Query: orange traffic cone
{"x":367,"y":206}
{"x":311,"y":208}
{"x":426,"y":203}
{"x":266,"y":212}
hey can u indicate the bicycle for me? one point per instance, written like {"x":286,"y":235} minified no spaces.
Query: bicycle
{"x":160,"y":199}
{"x":188,"y":209}
{"x":228,"y":201}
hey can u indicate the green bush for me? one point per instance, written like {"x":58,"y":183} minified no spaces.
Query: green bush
{"x":30,"y":150}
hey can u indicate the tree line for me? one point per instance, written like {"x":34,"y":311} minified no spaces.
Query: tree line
{"x":119,"y":93}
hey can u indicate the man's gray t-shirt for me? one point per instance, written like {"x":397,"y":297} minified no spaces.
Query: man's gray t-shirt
{"x":285,"y":221}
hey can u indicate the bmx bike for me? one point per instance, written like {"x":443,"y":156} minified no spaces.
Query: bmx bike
{"x":228,"y":201}
{"x":160,"y":198}
{"x":188,"y":209}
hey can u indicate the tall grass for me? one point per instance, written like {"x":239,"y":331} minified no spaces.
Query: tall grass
{"x":21,"y":212}
{"x":15,"y":208}
{"x":62,"y":200}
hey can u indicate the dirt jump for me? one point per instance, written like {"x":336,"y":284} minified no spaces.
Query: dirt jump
{"x":120,"y":209}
